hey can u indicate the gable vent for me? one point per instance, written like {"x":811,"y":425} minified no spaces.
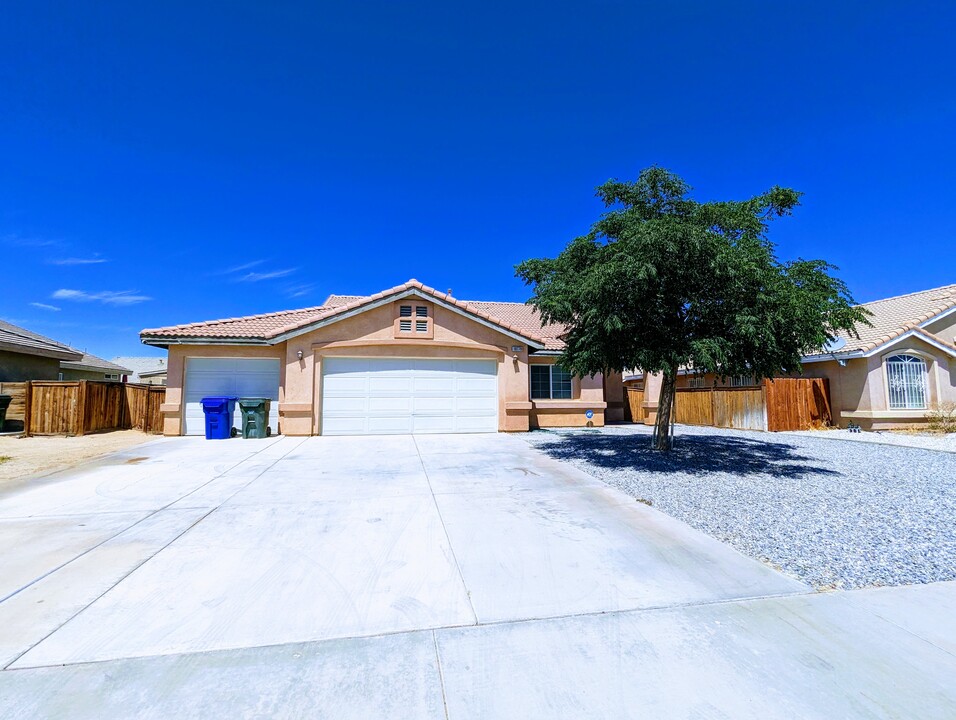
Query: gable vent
{"x":421,"y":311}
{"x":405,"y":311}
{"x":421,"y":326}
{"x":405,"y":325}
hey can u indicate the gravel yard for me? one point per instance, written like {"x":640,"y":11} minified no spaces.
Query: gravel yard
{"x":836,"y":514}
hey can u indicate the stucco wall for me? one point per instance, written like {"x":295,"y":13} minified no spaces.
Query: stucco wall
{"x":18,"y":367}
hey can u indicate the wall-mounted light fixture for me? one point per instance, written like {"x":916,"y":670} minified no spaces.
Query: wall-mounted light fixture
{"x":298,"y":354}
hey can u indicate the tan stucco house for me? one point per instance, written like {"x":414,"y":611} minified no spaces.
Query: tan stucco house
{"x":902,"y":366}
{"x":405,"y":360}
{"x":896,"y":371}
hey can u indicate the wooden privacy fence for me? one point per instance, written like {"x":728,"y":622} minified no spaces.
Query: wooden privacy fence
{"x":86,"y":406}
{"x":634,"y":404}
{"x":779,"y":404}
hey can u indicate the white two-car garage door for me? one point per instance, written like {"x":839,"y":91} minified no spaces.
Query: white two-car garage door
{"x":379,"y":396}
{"x":234,"y":377}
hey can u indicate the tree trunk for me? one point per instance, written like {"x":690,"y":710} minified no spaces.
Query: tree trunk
{"x":665,"y":408}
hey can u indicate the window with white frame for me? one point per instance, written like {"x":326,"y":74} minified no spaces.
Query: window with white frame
{"x":550,"y":382}
{"x":742,"y":381}
{"x":111,"y":376}
{"x":906,"y":382}
{"x":696,"y":381}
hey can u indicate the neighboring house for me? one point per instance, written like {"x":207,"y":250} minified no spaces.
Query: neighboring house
{"x":25,"y":355}
{"x":406,"y":360}
{"x":90,"y":367}
{"x":898,"y":369}
{"x":146,"y":370}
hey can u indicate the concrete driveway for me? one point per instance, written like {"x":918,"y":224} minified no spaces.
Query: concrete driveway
{"x":434,"y":576}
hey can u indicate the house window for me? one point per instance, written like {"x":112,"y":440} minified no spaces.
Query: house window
{"x":111,"y":377}
{"x":59,"y":376}
{"x":550,"y":382}
{"x":696,"y":381}
{"x":742,"y":381}
{"x":906,"y":381}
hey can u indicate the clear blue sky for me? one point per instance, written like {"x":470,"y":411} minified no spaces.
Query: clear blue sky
{"x":148,"y":149}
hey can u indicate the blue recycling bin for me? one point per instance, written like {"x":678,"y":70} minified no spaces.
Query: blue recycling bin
{"x":219,"y":412}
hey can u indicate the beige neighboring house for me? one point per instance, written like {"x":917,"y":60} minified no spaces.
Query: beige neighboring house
{"x":408,"y":359}
{"x":26,"y":355}
{"x":898,"y":369}
{"x":145,"y":370}
{"x":90,"y":367}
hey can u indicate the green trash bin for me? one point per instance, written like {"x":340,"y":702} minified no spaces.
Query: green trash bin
{"x":255,"y":417}
{"x":4,"y":404}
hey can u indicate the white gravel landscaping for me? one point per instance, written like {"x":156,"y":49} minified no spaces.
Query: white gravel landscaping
{"x":836,"y":514}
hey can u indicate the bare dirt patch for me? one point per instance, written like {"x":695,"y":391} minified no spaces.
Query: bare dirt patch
{"x":36,"y":455}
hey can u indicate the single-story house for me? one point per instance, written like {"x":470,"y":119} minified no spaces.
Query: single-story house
{"x":145,"y":370}
{"x":405,"y":360}
{"x":897,"y":370}
{"x":26,"y":355}
{"x":90,"y":367}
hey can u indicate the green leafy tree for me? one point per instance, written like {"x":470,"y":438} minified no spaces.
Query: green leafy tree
{"x":663,"y":281}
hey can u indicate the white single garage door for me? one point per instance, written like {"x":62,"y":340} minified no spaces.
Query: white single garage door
{"x":379,"y":396}
{"x":236,"y":377}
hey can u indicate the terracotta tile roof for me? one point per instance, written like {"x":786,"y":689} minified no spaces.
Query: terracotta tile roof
{"x":250,"y":327}
{"x":896,"y":316}
{"x":526,"y":317}
{"x":517,"y":318}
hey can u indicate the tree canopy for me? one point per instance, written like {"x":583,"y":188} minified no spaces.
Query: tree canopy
{"x":663,"y":281}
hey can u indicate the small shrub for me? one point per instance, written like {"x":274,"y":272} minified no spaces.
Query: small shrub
{"x":942,"y":417}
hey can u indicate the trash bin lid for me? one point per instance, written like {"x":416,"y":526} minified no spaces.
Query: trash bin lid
{"x":216,"y":401}
{"x":252,"y":402}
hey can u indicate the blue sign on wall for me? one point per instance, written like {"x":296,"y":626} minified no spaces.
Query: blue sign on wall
{"x":589,"y":414}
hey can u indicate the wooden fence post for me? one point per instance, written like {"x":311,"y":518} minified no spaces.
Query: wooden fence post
{"x":81,"y":408}
{"x":27,"y":407}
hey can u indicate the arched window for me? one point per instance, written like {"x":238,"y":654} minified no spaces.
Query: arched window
{"x":906,"y":380}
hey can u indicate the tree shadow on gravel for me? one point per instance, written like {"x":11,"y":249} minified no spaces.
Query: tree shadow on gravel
{"x":691,"y":454}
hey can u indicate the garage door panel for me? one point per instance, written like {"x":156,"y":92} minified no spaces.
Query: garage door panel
{"x":473,"y":386}
{"x":344,"y":426}
{"x":389,"y":405}
{"x":346,"y":385}
{"x":434,"y":385}
{"x":345,"y":405}
{"x":394,"y":395}
{"x":389,"y":425}
{"x":432,"y":405}
{"x":236,"y":377}
{"x":389,"y":385}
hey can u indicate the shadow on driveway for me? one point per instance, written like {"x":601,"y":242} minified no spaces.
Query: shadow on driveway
{"x":691,"y":454}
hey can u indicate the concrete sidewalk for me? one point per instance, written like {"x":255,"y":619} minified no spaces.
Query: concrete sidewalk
{"x":414,"y":577}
